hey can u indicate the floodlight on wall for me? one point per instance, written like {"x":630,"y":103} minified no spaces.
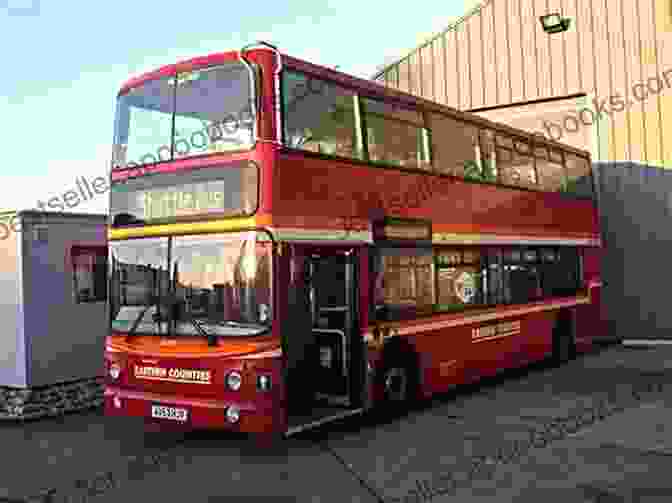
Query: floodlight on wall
{"x":554,"y":23}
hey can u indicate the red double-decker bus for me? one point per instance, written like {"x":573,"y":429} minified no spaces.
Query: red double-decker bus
{"x":290,"y":245}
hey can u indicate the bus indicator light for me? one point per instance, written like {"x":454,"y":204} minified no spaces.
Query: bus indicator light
{"x":115,"y":371}
{"x":264,"y":383}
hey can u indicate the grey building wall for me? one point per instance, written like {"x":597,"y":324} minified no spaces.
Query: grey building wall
{"x":64,"y":340}
{"x":499,"y":56}
{"x":635,"y":212}
{"x":12,"y":343}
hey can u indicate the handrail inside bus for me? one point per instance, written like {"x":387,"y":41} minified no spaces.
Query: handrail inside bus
{"x":276,"y":84}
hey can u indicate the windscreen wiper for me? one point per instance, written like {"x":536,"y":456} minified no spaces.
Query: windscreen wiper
{"x":212,"y":339}
{"x":136,"y":322}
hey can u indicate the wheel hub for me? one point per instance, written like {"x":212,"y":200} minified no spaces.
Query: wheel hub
{"x":396,"y":384}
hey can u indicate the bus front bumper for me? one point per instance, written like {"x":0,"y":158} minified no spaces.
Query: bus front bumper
{"x":179,"y":412}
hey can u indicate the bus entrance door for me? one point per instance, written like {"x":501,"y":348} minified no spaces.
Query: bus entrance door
{"x":338,"y":367}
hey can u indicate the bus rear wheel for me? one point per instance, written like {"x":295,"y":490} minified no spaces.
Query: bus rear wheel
{"x":563,"y":339}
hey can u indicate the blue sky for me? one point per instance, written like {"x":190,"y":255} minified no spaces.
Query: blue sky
{"x":63,"y":63}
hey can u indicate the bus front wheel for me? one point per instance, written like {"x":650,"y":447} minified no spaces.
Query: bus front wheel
{"x":398,"y":381}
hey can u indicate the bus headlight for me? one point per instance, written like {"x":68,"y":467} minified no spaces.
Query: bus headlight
{"x":115,"y":371}
{"x":232,"y":414}
{"x":233,"y":381}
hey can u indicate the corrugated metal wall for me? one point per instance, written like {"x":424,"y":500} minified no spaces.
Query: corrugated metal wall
{"x":498,"y":55}
{"x":636,"y":206}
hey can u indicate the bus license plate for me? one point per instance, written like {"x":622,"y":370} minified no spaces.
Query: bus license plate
{"x":173,"y":413}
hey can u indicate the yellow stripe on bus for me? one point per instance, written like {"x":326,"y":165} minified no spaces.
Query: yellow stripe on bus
{"x":231,"y":224}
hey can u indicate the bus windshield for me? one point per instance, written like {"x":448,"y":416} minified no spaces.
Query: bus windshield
{"x":177,"y":116}
{"x":215,"y":284}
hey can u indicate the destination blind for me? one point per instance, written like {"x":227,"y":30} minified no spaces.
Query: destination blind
{"x":218,"y":191}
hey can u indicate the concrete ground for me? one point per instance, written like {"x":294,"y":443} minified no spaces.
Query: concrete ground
{"x":596,"y":429}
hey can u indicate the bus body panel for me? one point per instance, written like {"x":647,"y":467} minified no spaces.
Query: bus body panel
{"x":462,"y":352}
{"x":150,"y":377}
{"x":317,"y":193}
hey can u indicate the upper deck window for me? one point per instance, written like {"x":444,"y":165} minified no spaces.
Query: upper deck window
{"x":396,"y":135}
{"x":579,"y":180}
{"x":319,"y":116}
{"x":516,"y":164}
{"x":194,"y":113}
{"x":455,"y":148}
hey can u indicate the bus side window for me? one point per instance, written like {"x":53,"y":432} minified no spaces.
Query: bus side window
{"x":520,"y":278}
{"x":560,"y":271}
{"x":455,"y":147}
{"x":487,"y":156}
{"x":404,"y":286}
{"x":579,"y":179}
{"x":460,"y":278}
{"x":551,"y":173}
{"x":396,"y":135}
{"x":495,"y":277}
{"x":319,"y":116}
{"x":523,"y":164}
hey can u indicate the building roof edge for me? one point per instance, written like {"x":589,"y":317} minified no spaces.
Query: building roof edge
{"x":451,"y":27}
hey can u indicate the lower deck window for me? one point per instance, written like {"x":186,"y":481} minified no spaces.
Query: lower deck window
{"x":410,"y":282}
{"x":403,"y":283}
{"x":459,"y":279}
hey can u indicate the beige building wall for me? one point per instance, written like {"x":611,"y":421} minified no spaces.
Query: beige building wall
{"x":498,"y":61}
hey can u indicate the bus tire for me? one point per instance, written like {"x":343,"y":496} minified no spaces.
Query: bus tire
{"x":564,"y":347}
{"x":398,"y":378}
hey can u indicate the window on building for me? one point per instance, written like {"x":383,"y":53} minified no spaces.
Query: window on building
{"x":89,"y":264}
{"x":403,"y":283}
{"x":395,"y":135}
{"x":319,"y":116}
{"x":579,"y":179}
